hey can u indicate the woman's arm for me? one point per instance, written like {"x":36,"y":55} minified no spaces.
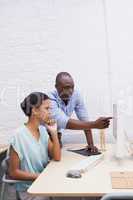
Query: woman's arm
{"x":14,"y":168}
{"x":54,"y":149}
{"x":53,"y":143}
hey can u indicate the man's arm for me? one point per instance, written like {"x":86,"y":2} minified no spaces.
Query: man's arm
{"x":100,"y":123}
{"x":89,"y":137}
{"x":82,"y":114}
{"x":65,"y":122}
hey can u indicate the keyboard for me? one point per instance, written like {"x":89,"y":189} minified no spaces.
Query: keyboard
{"x":87,"y":163}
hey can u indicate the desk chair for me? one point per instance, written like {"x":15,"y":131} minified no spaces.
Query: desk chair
{"x":6,"y":179}
{"x":118,"y":196}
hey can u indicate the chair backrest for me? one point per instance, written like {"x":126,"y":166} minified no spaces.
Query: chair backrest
{"x":4,"y":164}
{"x":118,"y":196}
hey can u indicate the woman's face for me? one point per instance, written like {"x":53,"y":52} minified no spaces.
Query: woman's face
{"x":43,"y":112}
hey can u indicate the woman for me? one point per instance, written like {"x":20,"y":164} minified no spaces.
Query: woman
{"x":31,"y":146}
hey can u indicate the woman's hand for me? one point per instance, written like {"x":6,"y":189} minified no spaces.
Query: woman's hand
{"x":53,"y":146}
{"x":51,"y":126}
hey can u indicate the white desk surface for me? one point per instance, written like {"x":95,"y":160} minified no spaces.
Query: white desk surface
{"x":95,"y":182}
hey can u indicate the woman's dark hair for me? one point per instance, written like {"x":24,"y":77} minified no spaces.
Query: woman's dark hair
{"x":32,"y":100}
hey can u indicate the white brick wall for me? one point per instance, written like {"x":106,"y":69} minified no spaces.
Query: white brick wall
{"x":40,"y":38}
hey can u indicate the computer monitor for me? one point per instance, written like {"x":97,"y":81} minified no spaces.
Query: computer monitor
{"x":115,"y":113}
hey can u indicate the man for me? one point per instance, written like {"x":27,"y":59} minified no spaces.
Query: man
{"x":64,"y":100}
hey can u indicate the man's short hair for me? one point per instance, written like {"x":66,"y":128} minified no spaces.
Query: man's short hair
{"x":60,"y":75}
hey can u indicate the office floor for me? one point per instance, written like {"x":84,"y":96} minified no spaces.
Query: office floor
{"x":9,"y":193}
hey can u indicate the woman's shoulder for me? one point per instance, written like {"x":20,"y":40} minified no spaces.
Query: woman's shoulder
{"x":18,"y":132}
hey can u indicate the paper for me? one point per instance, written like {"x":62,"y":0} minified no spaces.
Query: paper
{"x":122,"y":180}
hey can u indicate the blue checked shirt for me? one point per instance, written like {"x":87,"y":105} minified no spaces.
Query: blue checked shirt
{"x":62,"y":113}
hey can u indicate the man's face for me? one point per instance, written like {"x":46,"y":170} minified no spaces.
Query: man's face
{"x":65,"y":87}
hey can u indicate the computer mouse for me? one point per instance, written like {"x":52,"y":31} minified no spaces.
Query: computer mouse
{"x":74,"y":174}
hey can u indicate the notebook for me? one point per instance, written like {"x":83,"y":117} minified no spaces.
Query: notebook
{"x":84,"y":151}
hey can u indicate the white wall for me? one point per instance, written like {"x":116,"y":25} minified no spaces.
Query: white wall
{"x":40,"y":38}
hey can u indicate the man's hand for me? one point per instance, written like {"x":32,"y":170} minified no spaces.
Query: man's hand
{"x":102,"y":122}
{"x":92,"y":149}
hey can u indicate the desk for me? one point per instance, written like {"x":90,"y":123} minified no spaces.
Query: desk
{"x":96,"y":182}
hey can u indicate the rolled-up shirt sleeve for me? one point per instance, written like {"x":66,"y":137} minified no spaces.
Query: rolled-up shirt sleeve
{"x":58,"y":114}
{"x":15,"y":143}
{"x":80,"y":109}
